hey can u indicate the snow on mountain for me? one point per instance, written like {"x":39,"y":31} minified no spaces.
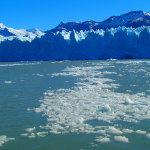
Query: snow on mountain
{"x":132,"y":19}
{"x":7,"y":33}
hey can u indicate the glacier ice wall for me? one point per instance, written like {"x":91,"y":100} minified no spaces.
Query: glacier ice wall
{"x":115,"y":43}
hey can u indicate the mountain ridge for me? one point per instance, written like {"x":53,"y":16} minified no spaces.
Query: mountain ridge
{"x":131,"y":19}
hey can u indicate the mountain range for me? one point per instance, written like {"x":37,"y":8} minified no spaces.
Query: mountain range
{"x":132,"y":19}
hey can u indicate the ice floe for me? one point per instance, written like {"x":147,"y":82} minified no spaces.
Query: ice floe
{"x":102,"y":140}
{"x":140,"y":132}
{"x":148,"y":136}
{"x":113,"y":130}
{"x":4,"y":139}
{"x":127,"y":131}
{"x":34,"y":134}
{"x":121,"y":139}
{"x":30,"y":129}
{"x":8,"y":82}
{"x":106,"y":108}
{"x":19,"y":64}
{"x":128,"y":101}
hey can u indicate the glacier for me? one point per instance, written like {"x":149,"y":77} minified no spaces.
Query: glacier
{"x":114,"y":43}
{"x":119,"y":37}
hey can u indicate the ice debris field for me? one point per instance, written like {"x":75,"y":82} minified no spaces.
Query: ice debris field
{"x":93,"y":106}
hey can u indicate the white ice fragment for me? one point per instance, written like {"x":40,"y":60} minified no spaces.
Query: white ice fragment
{"x":113,"y":130}
{"x":55,"y":132}
{"x":80,"y":120}
{"x":32,"y":135}
{"x":127,"y":131}
{"x":99,"y":127}
{"x":38,"y":110}
{"x":140,"y":132}
{"x":102,"y":140}
{"x":128,"y":101}
{"x":4,"y":139}
{"x":39,"y":75}
{"x":106,"y":108}
{"x":30,"y":129}
{"x":48,"y":94}
{"x":8,"y":82}
{"x":121,"y":139}
{"x":42,"y":134}
{"x":148,"y":135}
{"x":101,"y":132}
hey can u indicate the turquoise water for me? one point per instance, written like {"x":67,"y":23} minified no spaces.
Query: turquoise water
{"x":75,"y":105}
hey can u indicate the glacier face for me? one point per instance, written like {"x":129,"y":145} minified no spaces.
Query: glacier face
{"x":119,"y":37}
{"x":115,"y":43}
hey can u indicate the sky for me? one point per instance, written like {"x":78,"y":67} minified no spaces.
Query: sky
{"x":47,"y":14}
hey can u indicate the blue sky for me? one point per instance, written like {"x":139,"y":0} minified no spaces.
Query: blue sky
{"x":46,"y":14}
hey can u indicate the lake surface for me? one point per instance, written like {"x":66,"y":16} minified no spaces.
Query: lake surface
{"x":75,"y":105}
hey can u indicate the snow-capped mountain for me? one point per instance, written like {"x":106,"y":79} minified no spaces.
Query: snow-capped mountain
{"x":7,"y":33}
{"x":131,"y":19}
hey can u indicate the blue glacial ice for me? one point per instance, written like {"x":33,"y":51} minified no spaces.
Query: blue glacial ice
{"x":114,"y":43}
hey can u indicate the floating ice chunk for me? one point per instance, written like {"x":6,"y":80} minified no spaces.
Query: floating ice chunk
{"x":113,"y":130}
{"x":30,"y":129}
{"x":99,"y":127}
{"x":101,"y":132}
{"x":106,"y":108}
{"x":93,"y":144}
{"x":121,"y":139}
{"x":140,"y":132}
{"x":44,"y":127}
{"x":39,"y":75}
{"x":102,"y":140}
{"x":32,"y":135}
{"x":48,"y":94}
{"x":127,"y":131}
{"x":19,"y":64}
{"x":38,"y":110}
{"x":42,"y":134}
{"x":128,"y":101}
{"x":80,"y":120}
{"x":148,"y":135}
{"x":8,"y":82}
{"x":55,"y":132}
{"x":4,"y":139}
